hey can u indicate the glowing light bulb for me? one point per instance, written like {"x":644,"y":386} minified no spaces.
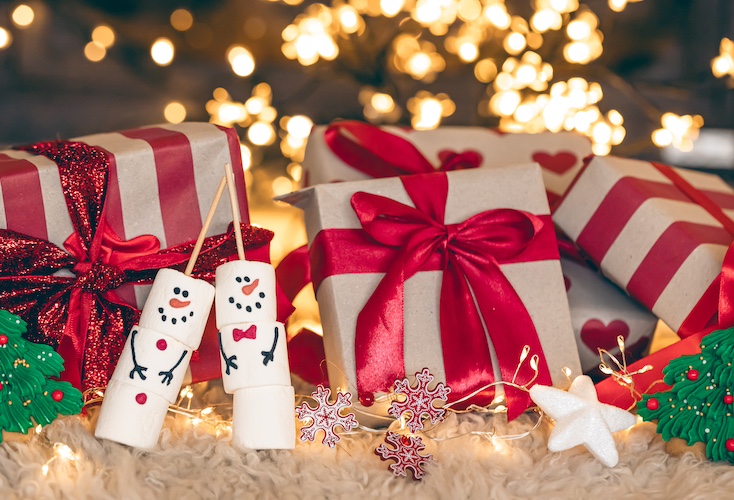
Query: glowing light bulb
{"x":23,"y":16}
{"x":261,"y":134}
{"x":182,"y":20}
{"x":497,"y":15}
{"x":174,"y":112}
{"x":94,"y":51}
{"x":162,"y":52}
{"x":241,"y":60}
{"x":383,"y":103}
{"x":514,"y":43}
{"x":578,"y":30}
{"x":468,"y":52}
{"x":299,"y":126}
{"x":5,"y":38}
{"x":391,"y":8}
{"x":104,"y":35}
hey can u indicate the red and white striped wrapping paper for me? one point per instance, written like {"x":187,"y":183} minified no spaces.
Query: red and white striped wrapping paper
{"x":162,"y":182}
{"x":560,"y":155}
{"x":649,"y":237}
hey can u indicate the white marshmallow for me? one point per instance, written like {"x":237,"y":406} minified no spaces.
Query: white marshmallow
{"x":245,"y":293}
{"x":131,"y":416}
{"x":178,"y":305}
{"x":259,"y":352}
{"x":264,"y":418}
{"x":153,"y":362}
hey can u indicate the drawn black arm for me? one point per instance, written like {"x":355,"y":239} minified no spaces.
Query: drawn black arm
{"x":168,"y":375}
{"x":269,"y":355}
{"x":228,"y":361}
{"x":137,"y":369}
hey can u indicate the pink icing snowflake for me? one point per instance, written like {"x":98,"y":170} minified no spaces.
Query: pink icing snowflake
{"x":406,"y":453}
{"x":326,"y":416}
{"x":419,"y":400}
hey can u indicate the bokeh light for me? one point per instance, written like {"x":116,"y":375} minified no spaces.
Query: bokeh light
{"x":5,"y":38}
{"x":162,"y":51}
{"x":94,"y":51}
{"x":241,"y":60}
{"x":174,"y":112}
{"x":103,"y":35}
{"x":23,"y":16}
{"x":182,"y":20}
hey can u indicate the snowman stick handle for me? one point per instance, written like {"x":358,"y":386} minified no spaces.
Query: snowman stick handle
{"x":235,"y":210}
{"x":205,"y":227}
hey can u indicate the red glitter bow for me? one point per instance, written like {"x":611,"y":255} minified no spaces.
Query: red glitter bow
{"x":79,"y":314}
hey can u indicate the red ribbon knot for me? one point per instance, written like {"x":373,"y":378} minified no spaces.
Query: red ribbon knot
{"x":97,"y":276}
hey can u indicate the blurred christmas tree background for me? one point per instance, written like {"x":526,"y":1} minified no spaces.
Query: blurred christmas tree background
{"x":635,"y":76}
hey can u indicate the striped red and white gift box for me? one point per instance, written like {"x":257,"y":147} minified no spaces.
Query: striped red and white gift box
{"x":650,"y":237}
{"x":162,"y":181}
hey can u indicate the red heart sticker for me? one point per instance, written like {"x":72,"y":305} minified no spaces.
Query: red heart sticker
{"x":559,"y":163}
{"x":250,"y":333}
{"x":597,"y":335}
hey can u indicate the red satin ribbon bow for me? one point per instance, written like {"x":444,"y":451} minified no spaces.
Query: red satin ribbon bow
{"x":81,"y":315}
{"x":380,"y":154}
{"x":474,"y":289}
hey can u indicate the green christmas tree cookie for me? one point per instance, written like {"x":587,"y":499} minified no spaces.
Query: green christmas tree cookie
{"x":700,"y":403}
{"x":28,"y":396}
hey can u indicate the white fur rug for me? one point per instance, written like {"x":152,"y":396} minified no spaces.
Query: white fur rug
{"x":190,"y":462}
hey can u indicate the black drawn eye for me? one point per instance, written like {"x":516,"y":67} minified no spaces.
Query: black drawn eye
{"x":238,"y":279}
{"x":247,"y":279}
{"x":185,"y":293}
{"x":177,"y":290}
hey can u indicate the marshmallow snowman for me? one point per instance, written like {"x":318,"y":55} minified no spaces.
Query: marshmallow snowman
{"x":155,"y":358}
{"x":254,"y":356}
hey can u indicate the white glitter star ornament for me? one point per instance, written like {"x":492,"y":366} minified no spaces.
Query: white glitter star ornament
{"x":581,"y":419}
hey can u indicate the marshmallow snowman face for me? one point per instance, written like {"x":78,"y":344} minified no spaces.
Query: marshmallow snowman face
{"x":178,"y":306}
{"x":245,"y":293}
{"x":153,"y":362}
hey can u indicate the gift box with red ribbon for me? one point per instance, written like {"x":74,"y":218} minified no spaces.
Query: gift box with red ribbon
{"x":87,"y":223}
{"x":350,"y":151}
{"x":456,"y":272}
{"x":664,"y":235}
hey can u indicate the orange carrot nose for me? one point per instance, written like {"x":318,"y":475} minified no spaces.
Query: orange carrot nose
{"x":178,"y":304}
{"x":248,"y":289}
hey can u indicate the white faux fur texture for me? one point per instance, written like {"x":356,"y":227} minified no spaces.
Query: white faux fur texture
{"x":191,"y":463}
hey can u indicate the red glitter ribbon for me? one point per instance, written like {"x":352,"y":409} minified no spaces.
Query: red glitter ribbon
{"x":80,"y":314}
{"x":380,"y":154}
{"x":401,"y":241}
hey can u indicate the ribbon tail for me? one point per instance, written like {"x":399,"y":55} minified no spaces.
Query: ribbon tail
{"x":466,"y":356}
{"x":71,"y":347}
{"x":510,"y":329}
{"x":380,"y":337}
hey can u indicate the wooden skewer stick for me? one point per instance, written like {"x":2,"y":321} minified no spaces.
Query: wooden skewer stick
{"x":205,"y":228}
{"x":235,"y":210}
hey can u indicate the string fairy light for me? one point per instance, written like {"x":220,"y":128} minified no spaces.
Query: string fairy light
{"x":428,"y":110}
{"x":619,"y":372}
{"x":721,"y":66}
{"x":677,"y":131}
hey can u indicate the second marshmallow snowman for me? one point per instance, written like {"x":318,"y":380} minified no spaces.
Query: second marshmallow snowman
{"x":254,"y":355}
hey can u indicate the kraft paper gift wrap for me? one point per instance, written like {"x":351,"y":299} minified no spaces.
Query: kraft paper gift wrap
{"x":350,"y":151}
{"x":660,"y":233}
{"x":535,"y":275}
